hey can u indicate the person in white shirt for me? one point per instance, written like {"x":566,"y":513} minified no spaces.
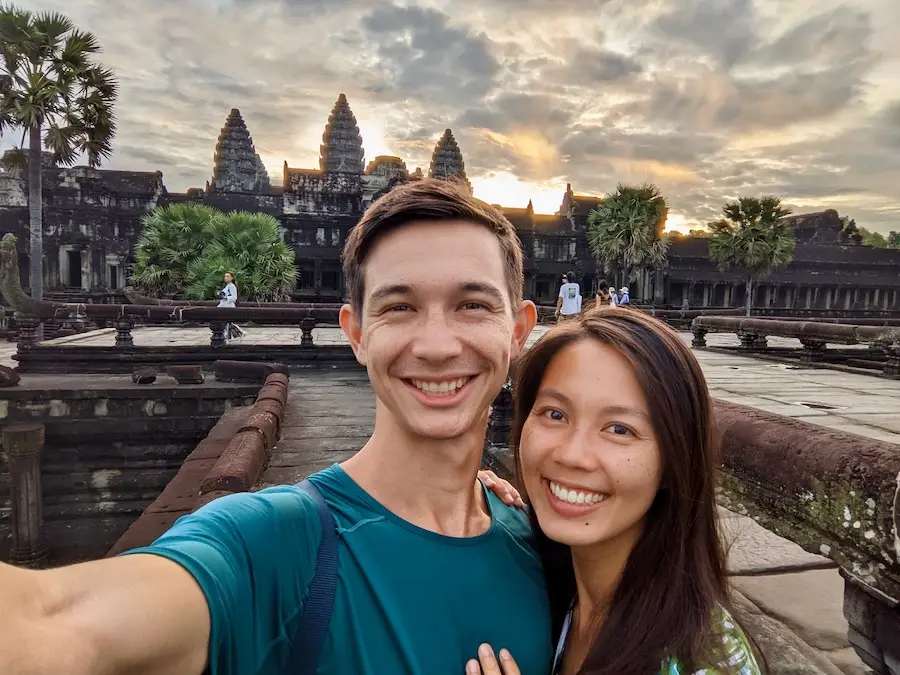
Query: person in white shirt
{"x":568,"y":304}
{"x":228,"y":298}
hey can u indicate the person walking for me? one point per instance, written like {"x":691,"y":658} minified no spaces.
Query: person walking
{"x":568,"y":303}
{"x":606,"y":297}
{"x":228,"y":298}
{"x":624,"y":297}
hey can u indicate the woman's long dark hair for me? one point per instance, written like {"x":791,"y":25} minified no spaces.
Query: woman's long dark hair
{"x":674,"y":581}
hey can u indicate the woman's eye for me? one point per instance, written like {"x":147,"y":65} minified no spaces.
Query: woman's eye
{"x":555,"y":415}
{"x":619,"y":429}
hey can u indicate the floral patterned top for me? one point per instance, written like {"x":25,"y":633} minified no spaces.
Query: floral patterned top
{"x":739,"y":654}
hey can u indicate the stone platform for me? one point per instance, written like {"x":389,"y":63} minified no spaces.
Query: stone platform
{"x":790,"y":599}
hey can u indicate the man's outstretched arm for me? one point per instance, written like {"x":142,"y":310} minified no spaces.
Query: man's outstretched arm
{"x":134,"y":614}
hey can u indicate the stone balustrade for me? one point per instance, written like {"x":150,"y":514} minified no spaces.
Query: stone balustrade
{"x":814,"y":336}
{"x":22,"y":445}
{"x":833,"y":493}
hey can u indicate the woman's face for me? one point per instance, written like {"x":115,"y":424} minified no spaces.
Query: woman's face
{"x":228,"y":278}
{"x":589,"y":454}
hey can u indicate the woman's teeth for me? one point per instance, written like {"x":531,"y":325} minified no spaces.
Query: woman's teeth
{"x":575,"y":496}
{"x":446,"y":387}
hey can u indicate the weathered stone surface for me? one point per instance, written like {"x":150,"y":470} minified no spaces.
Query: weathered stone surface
{"x":247,"y":371}
{"x":8,"y":377}
{"x":144,"y":376}
{"x":752,"y":549}
{"x":186,"y":374}
{"x":809,"y":602}
{"x":240,"y":465}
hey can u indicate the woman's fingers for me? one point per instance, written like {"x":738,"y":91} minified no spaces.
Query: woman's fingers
{"x":502,"y":488}
{"x":487,"y":663}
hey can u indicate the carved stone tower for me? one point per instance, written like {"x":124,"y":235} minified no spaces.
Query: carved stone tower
{"x":447,"y":160}
{"x":236,"y":166}
{"x":342,"y":146}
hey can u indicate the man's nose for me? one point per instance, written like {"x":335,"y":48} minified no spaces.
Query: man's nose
{"x":435,"y":338}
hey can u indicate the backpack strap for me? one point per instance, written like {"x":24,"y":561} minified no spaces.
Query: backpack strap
{"x":316,"y":616}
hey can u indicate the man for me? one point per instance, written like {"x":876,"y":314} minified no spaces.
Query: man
{"x":429,"y":565}
{"x":568,"y":304}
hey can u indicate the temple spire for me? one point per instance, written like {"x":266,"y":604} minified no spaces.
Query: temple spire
{"x":342,"y":146}
{"x":236,"y":166}
{"x":447,"y":160}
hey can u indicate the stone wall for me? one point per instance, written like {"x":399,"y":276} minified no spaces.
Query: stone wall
{"x":111,"y":447}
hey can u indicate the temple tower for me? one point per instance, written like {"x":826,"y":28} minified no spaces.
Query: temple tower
{"x":342,"y":147}
{"x":447,"y":160}
{"x":236,"y":166}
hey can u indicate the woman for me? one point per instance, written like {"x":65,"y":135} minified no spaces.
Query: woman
{"x":228,"y":298}
{"x":615,"y":443}
{"x":605,"y":297}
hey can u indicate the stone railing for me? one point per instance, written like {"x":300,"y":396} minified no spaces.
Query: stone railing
{"x":136,"y":298}
{"x":833,"y":493}
{"x":814,"y":336}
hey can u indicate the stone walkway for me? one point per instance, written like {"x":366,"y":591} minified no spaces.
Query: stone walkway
{"x":791,"y":600}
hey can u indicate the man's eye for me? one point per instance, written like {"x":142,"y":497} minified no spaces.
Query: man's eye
{"x":473,"y":305}
{"x":399,"y":308}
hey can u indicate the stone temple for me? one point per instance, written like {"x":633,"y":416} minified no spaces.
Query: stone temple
{"x":92,"y":221}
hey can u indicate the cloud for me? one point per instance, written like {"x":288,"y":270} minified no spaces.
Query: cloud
{"x":710,"y":99}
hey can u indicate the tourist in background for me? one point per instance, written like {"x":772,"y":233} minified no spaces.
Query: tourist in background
{"x":606,"y":297}
{"x":568,"y":304}
{"x":624,"y":297}
{"x":228,"y":298}
{"x":614,"y":438}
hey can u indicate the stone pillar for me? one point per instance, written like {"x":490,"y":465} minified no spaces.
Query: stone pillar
{"x":30,"y":331}
{"x":306,"y":329}
{"x":22,"y":444}
{"x":123,"y":325}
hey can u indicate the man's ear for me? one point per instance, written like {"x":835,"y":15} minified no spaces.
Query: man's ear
{"x":526,"y":319}
{"x":352,"y":327}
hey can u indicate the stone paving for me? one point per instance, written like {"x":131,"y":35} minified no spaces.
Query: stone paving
{"x":790,"y":599}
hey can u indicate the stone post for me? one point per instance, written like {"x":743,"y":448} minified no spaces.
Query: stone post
{"x":29,"y":331}
{"x":306,"y":329}
{"x":500,"y":418}
{"x":123,"y":326}
{"x":217,"y":337}
{"x":23,"y":444}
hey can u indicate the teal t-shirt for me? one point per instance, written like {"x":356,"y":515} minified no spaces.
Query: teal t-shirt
{"x":407,"y":601}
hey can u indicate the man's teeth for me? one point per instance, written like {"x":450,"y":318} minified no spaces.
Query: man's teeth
{"x":575,"y":496}
{"x":446,"y":387}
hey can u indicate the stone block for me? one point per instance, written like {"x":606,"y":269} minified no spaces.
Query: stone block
{"x":144,"y":376}
{"x":186,"y":374}
{"x":8,"y":377}
{"x":205,"y":499}
{"x":246,"y":371}
{"x":240,"y":466}
{"x":210,"y":448}
{"x":273,"y":392}
{"x":265,"y":423}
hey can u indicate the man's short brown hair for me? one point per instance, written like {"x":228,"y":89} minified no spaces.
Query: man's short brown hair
{"x":428,"y":200}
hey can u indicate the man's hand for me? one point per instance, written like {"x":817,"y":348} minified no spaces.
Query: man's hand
{"x":502,"y":488}
{"x":487,"y":663}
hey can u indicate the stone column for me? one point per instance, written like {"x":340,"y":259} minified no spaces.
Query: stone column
{"x":22,"y":444}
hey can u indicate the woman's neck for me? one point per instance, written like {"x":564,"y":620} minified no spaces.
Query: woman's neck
{"x":598,"y":570}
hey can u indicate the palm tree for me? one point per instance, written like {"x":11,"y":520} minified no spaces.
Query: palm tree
{"x":171,"y":239}
{"x":625,"y":231}
{"x":50,"y":88}
{"x":249,"y":246}
{"x":752,"y":236}
{"x":185,"y":249}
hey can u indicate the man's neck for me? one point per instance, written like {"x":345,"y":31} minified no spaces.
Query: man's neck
{"x":429,"y":483}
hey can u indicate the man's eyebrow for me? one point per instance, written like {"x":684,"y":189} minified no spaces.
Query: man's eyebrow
{"x":485,"y":289}
{"x":383,"y":292}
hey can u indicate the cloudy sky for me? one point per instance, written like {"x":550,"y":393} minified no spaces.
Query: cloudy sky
{"x":710,"y":99}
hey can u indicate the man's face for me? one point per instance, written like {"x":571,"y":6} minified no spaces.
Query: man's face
{"x":437,"y":331}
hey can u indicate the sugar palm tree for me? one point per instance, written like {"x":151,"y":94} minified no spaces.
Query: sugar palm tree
{"x":625,"y":231}
{"x":53,"y":92}
{"x":754,"y":237}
